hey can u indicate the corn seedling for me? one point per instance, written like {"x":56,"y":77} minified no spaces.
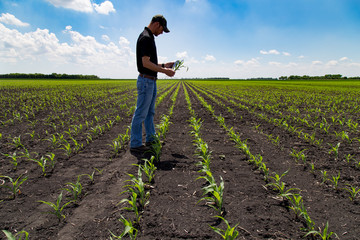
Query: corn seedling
{"x":296,"y":204}
{"x":56,"y":207}
{"x":53,"y":140}
{"x":179,"y":64}
{"x":91,"y":176}
{"x":42,"y":163}
{"x":265,"y":171}
{"x":335,"y":181}
{"x":324,"y":175}
{"x":74,"y":189}
{"x":280,"y":188}
{"x":16,"y":142}
{"x":13,"y":159}
{"x":230,"y":233}
{"x":156,"y":148}
{"x":298,"y":155}
{"x":353,"y":192}
{"x":129,"y":230}
{"x":349,"y":157}
{"x":138,"y":187}
{"x":149,"y":169}
{"x":17,"y":236}
{"x":323,"y":234}
{"x":312,"y":168}
{"x":334,"y":149}
{"x":133,"y":206}
{"x":309,"y":223}
{"x":51,"y":158}
{"x":216,"y":199}
{"x":67,"y":148}
{"x":15,"y":184}
{"x":164,"y":126}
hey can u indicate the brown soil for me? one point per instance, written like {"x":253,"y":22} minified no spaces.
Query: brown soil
{"x":174,"y":211}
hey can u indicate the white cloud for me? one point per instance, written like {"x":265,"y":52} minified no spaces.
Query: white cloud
{"x":82,"y":52}
{"x":77,"y":5}
{"x":105,"y":38}
{"x":273,"y":51}
{"x":301,"y":56}
{"x":182,"y":55}
{"x":292,"y":64}
{"x":210,"y":58}
{"x":317,"y":62}
{"x":251,"y":62}
{"x":343,"y":59}
{"x":239,"y":62}
{"x":286,"y":54}
{"x":10,"y":19}
{"x":332,"y":63}
{"x":104,"y":8}
{"x":124,"y":42}
{"x":274,"y":64}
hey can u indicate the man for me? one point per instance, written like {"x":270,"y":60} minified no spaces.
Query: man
{"x":148,"y":67}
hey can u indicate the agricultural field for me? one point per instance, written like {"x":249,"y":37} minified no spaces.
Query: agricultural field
{"x":245,"y":159}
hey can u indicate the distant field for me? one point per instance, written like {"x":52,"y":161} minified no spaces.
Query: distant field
{"x":284,"y":157}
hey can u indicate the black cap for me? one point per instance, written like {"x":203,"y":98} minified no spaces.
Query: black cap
{"x":162,"y":21}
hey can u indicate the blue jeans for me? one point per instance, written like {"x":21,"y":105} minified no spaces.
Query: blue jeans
{"x":144,"y":112}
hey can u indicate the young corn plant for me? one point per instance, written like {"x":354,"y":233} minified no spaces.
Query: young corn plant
{"x":91,"y":176}
{"x":57,"y":208}
{"x":324,"y":175}
{"x":353,"y":192}
{"x":17,"y":236}
{"x":13,"y":159}
{"x":156,"y":147}
{"x":214,"y":193}
{"x":16,"y":142}
{"x":138,"y":187}
{"x":323,"y":234}
{"x":15,"y":184}
{"x":296,"y":204}
{"x":334,"y":149}
{"x":67,"y":148}
{"x":129,"y":230}
{"x":230,"y":233}
{"x":164,"y":126}
{"x":42,"y":163}
{"x":298,"y":155}
{"x":148,"y":168}
{"x":335,"y":181}
{"x":178,"y":65}
{"x":133,"y":206}
{"x":120,"y":142}
{"x":74,"y":189}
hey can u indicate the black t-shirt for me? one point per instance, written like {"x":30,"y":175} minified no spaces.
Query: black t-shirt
{"x":145,"y":46}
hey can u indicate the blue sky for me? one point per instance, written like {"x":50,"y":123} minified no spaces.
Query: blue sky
{"x":224,"y":38}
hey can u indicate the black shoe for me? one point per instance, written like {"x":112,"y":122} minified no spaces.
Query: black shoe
{"x":149,"y":144}
{"x":140,"y":149}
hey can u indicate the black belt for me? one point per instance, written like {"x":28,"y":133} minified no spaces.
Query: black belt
{"x":148,"y":76}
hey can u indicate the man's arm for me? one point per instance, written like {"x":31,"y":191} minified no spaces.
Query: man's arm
{"x":156,"y":68}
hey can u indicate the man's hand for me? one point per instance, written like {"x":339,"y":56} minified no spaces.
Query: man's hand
{"x":169,"y":72}
{"x":169,"y":64}
{"x":156,"y":68}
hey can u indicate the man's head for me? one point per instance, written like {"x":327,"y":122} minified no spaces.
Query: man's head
{"x":158,"y":25}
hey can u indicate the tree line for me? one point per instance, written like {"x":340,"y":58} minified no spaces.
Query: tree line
{"x":47,"y":76}
{"x":306,"y":77}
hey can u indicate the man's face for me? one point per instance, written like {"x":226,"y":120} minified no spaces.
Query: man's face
{"x":159,"y":29}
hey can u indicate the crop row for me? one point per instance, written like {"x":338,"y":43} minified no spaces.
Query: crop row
{"x":289,"y":196}
{"x":69,"y":143}
{"x":332,"y":149}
